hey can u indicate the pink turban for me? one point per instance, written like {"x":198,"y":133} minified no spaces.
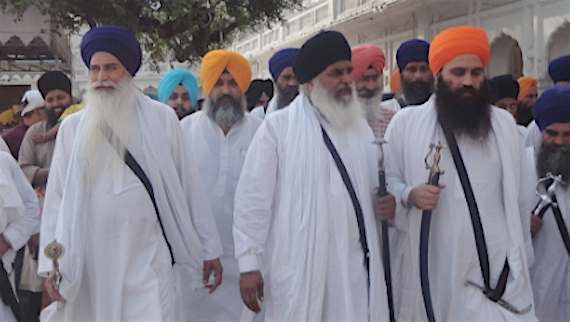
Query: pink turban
{"x":363,"y":57}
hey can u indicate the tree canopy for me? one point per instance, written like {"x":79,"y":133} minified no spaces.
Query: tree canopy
{"x":186,"y":28}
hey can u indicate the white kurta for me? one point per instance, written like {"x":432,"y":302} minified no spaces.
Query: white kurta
{"x":294,"y":219}
{"x":219,"y":158}
{"x":532,"y":135}
{"x":117,"y":265}
{"x":550,"y":273}
{"x":496,"y":172}
{"x":258,"y":112}
{"x":19,"y":215}
{"x":391,"y":104}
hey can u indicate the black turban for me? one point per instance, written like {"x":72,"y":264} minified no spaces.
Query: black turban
{"x":318,"y":53}
{"x":54,"y":80}
{"x":507,"y":87}
{"x":256,"y":89}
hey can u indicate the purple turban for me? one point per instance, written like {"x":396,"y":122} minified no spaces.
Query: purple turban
{"x":281,"y":60}
{"x":116,"y":41}
{"x":553,"y":106}
{"x":414,"y":50}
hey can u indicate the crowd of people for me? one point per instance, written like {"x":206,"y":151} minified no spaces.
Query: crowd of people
{"x":308,"y":197}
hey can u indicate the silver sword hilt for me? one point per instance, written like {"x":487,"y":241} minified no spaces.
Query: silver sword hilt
{"x":546,"y":198}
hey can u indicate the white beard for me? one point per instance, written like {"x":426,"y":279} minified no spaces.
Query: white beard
{"x":371,"y":106}
{"x":104,"y":110}
{"x":341,"y":114}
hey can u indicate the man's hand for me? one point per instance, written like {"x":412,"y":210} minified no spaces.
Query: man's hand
{"x":52,"y":292}
{"x":3,"y":246}
{"x":385,"y":207}
{"x":535,"y":225}
{"x":251,"y":289}
{"x":212,"y":266}
{"x":33,"y":245}
{"x":425,"y":196}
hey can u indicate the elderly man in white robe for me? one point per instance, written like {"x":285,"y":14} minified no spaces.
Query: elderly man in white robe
{"x":298,"y":229}
{"x":446,"y":274}
{"x":19,"y":219}
{"x":219,"y":136}
{"x":124,"y":200}
{"x":550,"y":273}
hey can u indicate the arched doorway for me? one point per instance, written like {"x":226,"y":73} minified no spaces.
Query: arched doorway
{"x":559,"y":42}
{"x":505,"y":58}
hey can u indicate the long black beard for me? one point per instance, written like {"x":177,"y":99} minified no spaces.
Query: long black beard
{"x":226,"y":114}
{"x":418,"y":92}
{"x":286,"y":96}
{"x":466,"y":116}
{"x":554,"y":159}
{"x":51,"y":118}
{"x":524,"y":114}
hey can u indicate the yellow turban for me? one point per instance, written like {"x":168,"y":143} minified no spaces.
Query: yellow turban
{"x":216,"y":62}
{"x":458,"y":41}
{"x":525,"y":83}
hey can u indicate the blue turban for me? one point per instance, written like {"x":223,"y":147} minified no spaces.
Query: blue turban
{"x":553,"y":106}
{"x":176,"y":77}
{"x":559,"y":69}
{"x":281,"y":60}
{"x":116,"y":41}
{"x":414,"y":50}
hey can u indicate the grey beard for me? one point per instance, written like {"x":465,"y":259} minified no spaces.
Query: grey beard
{"x":554,"y":159}
{"x":227,"y":114}
{"x":283,"y":99}
{"x":371,"y":106}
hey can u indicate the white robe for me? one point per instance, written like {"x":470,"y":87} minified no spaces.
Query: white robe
{"x":294,"y":219}
{"x":117,"y":266}
{"x":550,"y":273}
{"x":219,"y":158}
{"x":453,"y":255}
{"x":532,"y":136}
{"x":19,"y":215}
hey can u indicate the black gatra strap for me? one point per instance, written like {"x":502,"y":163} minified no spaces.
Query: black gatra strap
{"x":353,"y":197}
{"x":139,"y":172}
{"x":402,"y":102}
{"x":7,"y":295}
{"x":560,"y":222}
{"x":493,"y":294}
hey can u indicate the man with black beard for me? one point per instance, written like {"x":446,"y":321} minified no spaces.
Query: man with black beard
{"x":219,"y":136}
{"x":550,"y":275}
{"x":494,"y":166}
{"x":281,"y":68}
{"x":527,"y":97}
{"x":416,"y":78}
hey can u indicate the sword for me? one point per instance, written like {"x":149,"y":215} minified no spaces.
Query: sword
{"x":385,"y":237}
{"x":55,"y":251}
{"x":502,"y":302}
{"x":434,"y":174}
{"x":546,"y":199}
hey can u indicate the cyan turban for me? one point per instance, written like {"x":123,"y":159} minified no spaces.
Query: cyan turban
{"x":176,"y":77}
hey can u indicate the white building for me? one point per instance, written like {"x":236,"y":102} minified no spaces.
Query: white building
{"x":525,"y":35}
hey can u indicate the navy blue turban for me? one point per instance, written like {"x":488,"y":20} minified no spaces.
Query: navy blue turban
{"x":553,"y":106}
{"x":559,"y":69}
{"x":414,"y":50}
{"x":116,"y":41}
{"x":507,"y":87}
{"x":281,"y":60}
{"x":318,"y":53}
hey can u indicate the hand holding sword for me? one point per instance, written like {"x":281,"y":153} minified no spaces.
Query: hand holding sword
{"x":54,"y":251}
{"x":545,"y":202}
{"x":426,"y":195}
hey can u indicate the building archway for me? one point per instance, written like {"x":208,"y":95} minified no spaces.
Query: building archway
{"x":559,"y":42}
{"x":505,"y":58}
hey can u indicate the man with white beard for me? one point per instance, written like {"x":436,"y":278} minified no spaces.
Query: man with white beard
{"x":124,"y":200}
{"x":368,"y":62}
{"x":550,"y":273}
{"x":298,"y":229}
{"x":219,"y":136}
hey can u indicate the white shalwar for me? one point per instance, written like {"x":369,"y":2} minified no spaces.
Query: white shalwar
{"x":294,"y":219}
{"x":219,"y":158}
{"x":117,"y":266}
{"x":550,"y":273}
{"x":19,"y":215}
{"x":496,"y":170}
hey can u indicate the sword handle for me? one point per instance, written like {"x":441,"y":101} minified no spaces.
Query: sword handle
{"x":382,"y":183}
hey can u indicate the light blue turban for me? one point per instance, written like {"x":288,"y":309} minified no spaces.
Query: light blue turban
{"x":176,"y":77}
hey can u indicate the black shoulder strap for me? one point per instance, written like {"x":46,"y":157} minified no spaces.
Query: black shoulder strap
{"x":492,"y":294}
{"x":402,"y":102}
{"x":561,"y":225}
{"x":139,"y":172}
{"x":7,"y":295}
{"x":353,"y":197}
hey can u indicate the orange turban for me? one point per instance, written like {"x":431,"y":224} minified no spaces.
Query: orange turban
{"x":458,"y":41}
{"x":216,"y":62}
{"x":395,"y":82}
{"x":363,"y":57}
{"x":525,"y":83}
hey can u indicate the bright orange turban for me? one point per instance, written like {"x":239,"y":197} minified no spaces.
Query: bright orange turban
{"x":525,"y":83}
{"x":458,"y":41}
{"x":215,"y":62}
{"x":363,"y":57}
{"x":395,"y":82}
